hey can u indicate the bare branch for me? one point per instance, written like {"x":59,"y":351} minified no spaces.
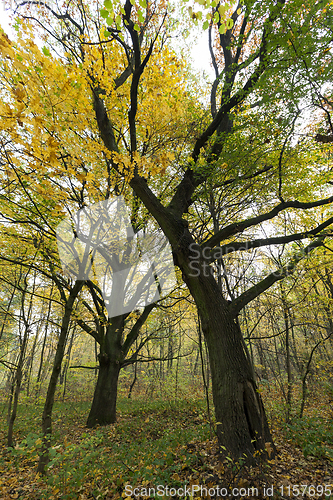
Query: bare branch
{"x":237,"y":305}
{"x":239,"y":227}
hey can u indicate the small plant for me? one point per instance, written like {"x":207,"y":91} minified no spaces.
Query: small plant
{"x":314,"y":435}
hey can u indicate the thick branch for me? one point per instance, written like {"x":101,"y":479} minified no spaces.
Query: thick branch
{"x":184,"y":192}
{"x":133,"y":334}
{"x":88,"y":330}
{"x":172,"y":228}
{"x":248,"y":87}
{"x":256,"y":290}
{"x":277,"y":240}
{"x":239,"y":227}
{"x":324,"y":138}
{"x":104,"y":124}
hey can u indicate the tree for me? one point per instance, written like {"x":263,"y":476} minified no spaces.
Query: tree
{"x":124,"y":272}
{"x":44,"y":191}
{"x":255,"y":51}
{"x":25,"y":319}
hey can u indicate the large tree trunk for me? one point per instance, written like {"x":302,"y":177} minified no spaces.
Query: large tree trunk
{"x":242,"y":426}
{"x":103,"y":408}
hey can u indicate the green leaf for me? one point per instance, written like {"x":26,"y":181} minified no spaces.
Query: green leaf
{"x":141,"y":17}
{"x":109,"y":21}
{"x":104,"y":13}
{"x":136,"y":27}
{"x":205,"y":25}
{"x":222,"y":10}
{"x":46,"y":51}
{"x":222,"y":29}
{"x":107,"y":33}
{"x":108,"y":4}
{"x":143,"y":3}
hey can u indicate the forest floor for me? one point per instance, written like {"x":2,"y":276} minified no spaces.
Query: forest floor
{"x":162,"y":445}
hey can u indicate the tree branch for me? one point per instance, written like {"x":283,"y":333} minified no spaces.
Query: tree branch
{"x":182,"y":197}
{"x":238,"y":304}
{"x":133,"y":334}
{"x":93,"y":333}
{"x":239,"y":227}
{"x":277,"y":240}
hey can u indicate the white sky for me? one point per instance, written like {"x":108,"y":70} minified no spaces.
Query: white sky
{"x":3,"y":16}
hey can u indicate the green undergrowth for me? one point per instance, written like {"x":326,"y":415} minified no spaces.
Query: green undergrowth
{"x":313,"y":434}
{"x":148,"y":444}
{"x":157,"y":442}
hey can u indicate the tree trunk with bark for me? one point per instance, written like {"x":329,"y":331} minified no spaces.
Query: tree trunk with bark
{"x":103,"y":408}
{"x":242,"y":426}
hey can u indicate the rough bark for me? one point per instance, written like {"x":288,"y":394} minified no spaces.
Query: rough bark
{"x":103,"y":408}
{"x":242,"y":426}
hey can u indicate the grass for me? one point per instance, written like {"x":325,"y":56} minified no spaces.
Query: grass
{"x":149,"y":444}
{"x":157,"y":442}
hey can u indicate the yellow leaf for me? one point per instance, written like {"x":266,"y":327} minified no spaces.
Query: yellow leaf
{"x":19,"y":91}
{"x":269,"y":449}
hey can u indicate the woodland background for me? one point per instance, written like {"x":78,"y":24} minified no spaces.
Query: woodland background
{"x":259,"y":156}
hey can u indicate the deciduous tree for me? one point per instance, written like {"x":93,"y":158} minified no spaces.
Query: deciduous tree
{"x":255,"y":61}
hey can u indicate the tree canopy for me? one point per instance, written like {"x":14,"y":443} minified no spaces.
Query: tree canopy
{"x":109,"y":106}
